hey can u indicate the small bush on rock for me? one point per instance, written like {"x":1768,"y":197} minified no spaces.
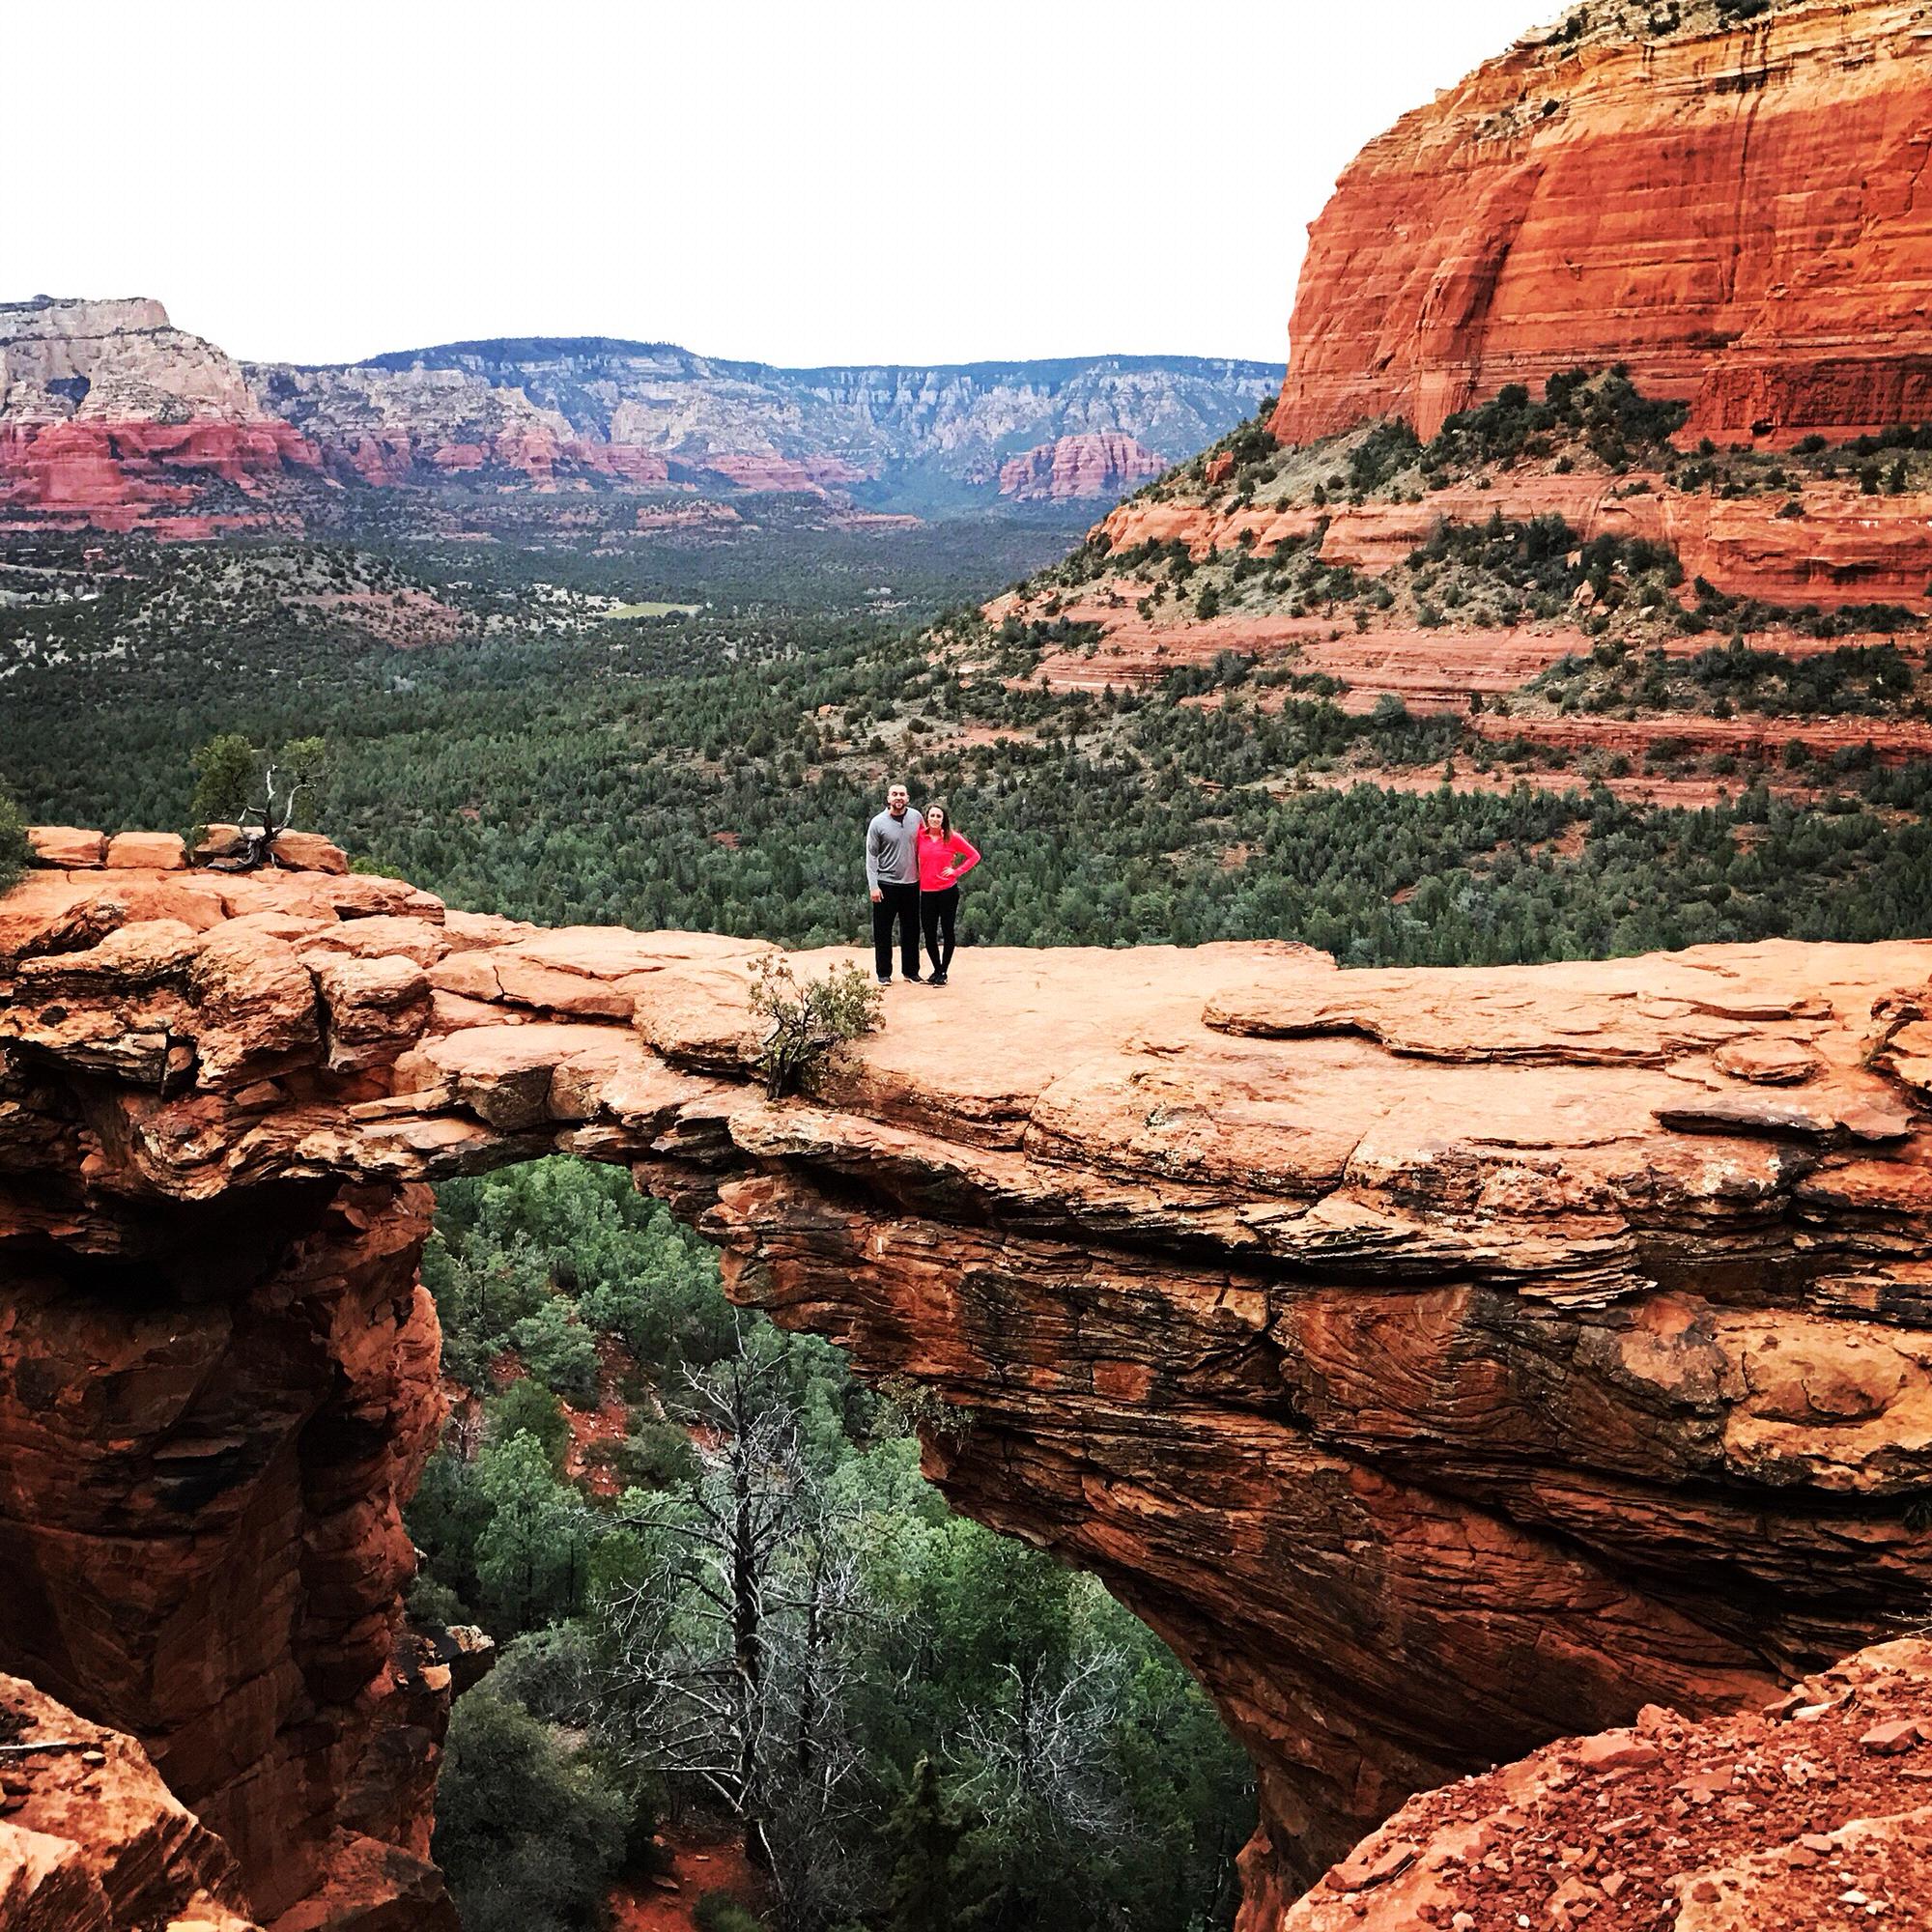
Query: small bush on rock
{"x":806,"y":1022}
{"x":264,"y":793}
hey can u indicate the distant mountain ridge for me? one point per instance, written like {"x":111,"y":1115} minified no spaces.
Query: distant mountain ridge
{"x":108,"y":413}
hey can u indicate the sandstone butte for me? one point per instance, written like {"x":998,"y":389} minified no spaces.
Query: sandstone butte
{"x":1100,"y":463}
{"x":1737,"y":215}
{"x":1444,"y":1362}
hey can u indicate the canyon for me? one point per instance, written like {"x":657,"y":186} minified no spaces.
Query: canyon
{"x":111,"y":416}
{"x":1444,"y":1362}
{"x":1509,"y":1390}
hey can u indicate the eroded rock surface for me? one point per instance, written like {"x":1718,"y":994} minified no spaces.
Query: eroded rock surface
{"x":1812,"y":1811}
{"x":1442,"y":1362}
{"x":91,"y":1841}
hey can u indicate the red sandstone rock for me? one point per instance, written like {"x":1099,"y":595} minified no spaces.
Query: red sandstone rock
{"x":1226,"y":1255}
{"x":91,"y":1839}
{"x":1078,"y":467}
{"x":1730,"y":213}
{"x":1848,"y":548}
{"x":94,"y":467}
{"x":1737,"y":1824}
{"x":67,"y":846}
{"x":308,"y":852}
{"x":767,"y":470}
{"x":147,"y":852}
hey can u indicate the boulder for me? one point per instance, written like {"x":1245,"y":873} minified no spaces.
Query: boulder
{"x":67,"y":846}
{"x":308,"y":852}
{"x":147,"y":852}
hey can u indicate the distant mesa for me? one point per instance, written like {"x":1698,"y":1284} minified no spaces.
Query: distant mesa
{"x":111,"y":417}
{"x":1078,"y":469}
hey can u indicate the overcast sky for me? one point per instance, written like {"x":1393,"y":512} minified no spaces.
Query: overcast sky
{"x":859,"y":179}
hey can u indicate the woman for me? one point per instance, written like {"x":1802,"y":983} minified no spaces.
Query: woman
{"x":945,"y":858}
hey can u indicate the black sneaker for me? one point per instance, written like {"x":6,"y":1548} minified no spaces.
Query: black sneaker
{"x":884,"y":979}
{"x":937,"y":980}
{"x":913,"y":980}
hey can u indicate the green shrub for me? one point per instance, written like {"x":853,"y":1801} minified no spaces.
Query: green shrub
{"x":13,"y":842}
{"x":528,"y":1835}
{"x":558,"y":1352}
{"x":720,"y":1911}
{"x":527,"y":1407}
{"x":807,"y":1023}
{"x":656,"y":1456}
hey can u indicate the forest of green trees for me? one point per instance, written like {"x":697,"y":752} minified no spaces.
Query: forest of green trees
{"x":767,"y":1620}
{"x":715,"y":771}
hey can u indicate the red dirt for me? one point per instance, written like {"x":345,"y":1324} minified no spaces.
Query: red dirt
{"x":609,"y":1422}
{"x":1816,"y":1812}
{"x":700,"y":1865}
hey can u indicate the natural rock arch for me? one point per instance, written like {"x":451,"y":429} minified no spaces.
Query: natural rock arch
{"x":1440,"y":1361}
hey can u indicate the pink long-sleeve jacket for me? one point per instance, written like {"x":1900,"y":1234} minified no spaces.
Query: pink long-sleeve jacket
{"x":944,"y":862}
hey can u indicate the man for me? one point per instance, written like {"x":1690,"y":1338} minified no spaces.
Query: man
{"x":892,"y":871}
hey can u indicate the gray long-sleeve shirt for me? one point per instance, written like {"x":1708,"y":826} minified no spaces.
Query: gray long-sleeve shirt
{"x":892,"y":851}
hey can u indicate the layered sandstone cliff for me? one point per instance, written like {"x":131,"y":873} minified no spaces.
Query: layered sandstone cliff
{"x":1077,"y":466}
{"x":1734,"y":208}
{"x":1442,"y":1362}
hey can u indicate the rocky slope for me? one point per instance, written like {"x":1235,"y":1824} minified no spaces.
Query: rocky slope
{"x":109,"y":414}
{"x":1811,"y":1812}
{"x":1726,"y":198}
{"x":1442,"y":1362}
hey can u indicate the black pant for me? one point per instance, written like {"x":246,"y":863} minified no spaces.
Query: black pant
{"x":938,"y":913}
{"x":900,"y":904}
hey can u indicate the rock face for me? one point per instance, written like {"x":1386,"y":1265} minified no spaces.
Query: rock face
{"x":1078,"y":467}
{"x":1442,"y":1362}
{"x":92,"y":1840}
{"x":1731,"y":208}
{"x":1845,"y":548}
{"x":110,"y":416}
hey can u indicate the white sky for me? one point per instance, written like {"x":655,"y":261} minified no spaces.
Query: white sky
{"x":859,"y":179}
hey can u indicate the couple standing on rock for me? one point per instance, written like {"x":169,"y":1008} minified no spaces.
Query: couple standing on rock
{"x":914,"y":862}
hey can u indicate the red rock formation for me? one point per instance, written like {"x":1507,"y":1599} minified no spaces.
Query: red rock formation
{"x":1442,"y":1362}
{"x":1735,"y":213}
{"x":767,"y":470}
{"x":1814,"y":1811}
{"x":92,"y":1840}
{"x":1075,"y":468}
{"x":93,"y":466}
{"x":1847,"y":547}
{"x":111,"y":416}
